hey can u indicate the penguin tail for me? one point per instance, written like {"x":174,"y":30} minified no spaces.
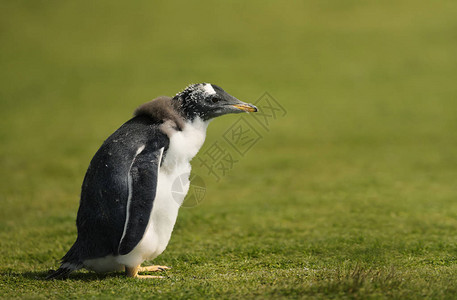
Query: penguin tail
{"x":69,"y":263}
{"x":63,"y":271}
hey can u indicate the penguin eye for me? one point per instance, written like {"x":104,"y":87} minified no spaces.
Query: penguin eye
{"x":214,"y":100}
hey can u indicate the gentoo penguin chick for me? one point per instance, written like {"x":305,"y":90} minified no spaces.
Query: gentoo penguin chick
{"x":127,"y":212}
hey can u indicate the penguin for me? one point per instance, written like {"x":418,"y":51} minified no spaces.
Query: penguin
{"x":127,"y":212}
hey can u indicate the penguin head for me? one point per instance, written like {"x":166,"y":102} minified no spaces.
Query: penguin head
{"x":208,"y":101}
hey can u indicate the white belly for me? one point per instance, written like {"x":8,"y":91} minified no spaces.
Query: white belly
{"x":184,"y":145}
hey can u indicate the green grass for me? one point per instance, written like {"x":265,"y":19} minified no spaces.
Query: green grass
{"x":351,"y":195}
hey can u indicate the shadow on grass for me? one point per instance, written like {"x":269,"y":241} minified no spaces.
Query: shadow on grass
{"x":77,"y":276}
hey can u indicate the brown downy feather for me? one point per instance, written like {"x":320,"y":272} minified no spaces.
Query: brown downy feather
{"x":162,"y":109}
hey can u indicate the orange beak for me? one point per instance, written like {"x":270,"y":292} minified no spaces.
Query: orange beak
{"x":246,"y":107}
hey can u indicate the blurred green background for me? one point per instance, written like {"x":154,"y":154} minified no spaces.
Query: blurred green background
{"x":352,"y":194}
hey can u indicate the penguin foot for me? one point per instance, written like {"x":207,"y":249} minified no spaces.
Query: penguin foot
{"x":153,"y":268}
{"x":147,"y":276}
{"x":133,"y":272}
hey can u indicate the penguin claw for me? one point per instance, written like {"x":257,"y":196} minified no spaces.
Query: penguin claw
{"x":153,"y":268}
{"x":147,"y":276}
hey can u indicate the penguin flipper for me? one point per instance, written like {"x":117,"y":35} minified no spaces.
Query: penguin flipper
{"x":142,"y":179}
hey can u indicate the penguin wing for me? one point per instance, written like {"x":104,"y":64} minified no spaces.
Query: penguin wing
{"x":142,"y":184}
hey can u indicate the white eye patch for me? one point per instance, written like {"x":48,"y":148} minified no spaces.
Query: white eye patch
{"x":208,"y":88}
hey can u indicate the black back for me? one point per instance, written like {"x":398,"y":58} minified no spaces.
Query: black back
{"x":105,"y":190}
